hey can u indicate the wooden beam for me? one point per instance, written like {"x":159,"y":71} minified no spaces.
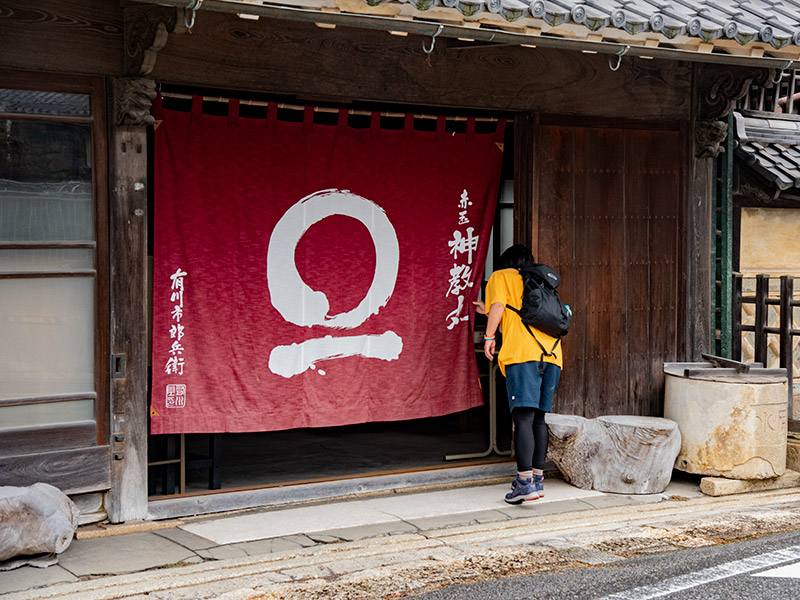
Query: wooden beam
{"x":72,"y":471}
{"x":70,"y":36}
{"x":28,"y":440}
{"x":300,"y":59}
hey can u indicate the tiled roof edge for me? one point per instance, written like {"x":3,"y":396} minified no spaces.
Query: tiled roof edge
{"x":736,"y":20}
{"x":767,"y":128}
{"x":757,"y":158}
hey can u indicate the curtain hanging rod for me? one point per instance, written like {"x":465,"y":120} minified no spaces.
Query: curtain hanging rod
{"x":325,"y":109}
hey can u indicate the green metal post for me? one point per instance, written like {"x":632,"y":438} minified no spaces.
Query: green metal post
{"x":722,"y":249}
{"x":725,"y":253}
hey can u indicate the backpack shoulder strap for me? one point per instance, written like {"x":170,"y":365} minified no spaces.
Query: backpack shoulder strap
{"x":552,"y":351}
{"x":516,"y":310}
{"x":544,"y":352}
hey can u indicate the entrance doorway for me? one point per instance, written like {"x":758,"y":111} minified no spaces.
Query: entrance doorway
{"x":195,"y":463}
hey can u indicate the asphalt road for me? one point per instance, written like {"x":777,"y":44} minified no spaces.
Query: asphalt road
{"x":767,"y":567}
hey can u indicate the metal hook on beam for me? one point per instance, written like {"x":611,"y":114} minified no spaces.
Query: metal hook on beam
{"x":433,"y":41}
{"x":192,"y":6}
{"x":622,"y":52}
{"x":782,"y":71}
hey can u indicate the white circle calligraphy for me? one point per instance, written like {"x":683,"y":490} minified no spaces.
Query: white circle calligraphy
{"x":296,"y":301}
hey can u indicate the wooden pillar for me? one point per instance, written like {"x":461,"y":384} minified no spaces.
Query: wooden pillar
{"x":716,"y":89}
{"x":525,"y":205}
{"x":760,"y":337}
{"x":725,"y":254}
{"x":130,"y":115}
{"x":786,"y":339}
{"x":699,"y":273}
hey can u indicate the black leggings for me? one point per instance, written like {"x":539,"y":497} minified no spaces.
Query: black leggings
{"x":530,"y":438}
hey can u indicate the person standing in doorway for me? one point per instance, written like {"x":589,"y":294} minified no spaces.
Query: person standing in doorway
{"x":531,"y":374}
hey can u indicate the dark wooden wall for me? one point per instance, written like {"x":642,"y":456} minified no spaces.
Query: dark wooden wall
{"x":609,"y":219}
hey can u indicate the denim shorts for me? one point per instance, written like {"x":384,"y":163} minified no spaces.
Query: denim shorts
{"x":527,"y":386}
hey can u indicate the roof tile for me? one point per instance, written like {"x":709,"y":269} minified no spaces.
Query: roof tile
{"x":774,"y":22}
{"x":771,"y":147}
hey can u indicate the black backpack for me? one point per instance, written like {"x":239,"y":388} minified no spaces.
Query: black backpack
{"x":541,"y":306}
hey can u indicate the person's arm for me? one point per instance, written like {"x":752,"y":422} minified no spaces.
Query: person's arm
{"x":496,"y":311}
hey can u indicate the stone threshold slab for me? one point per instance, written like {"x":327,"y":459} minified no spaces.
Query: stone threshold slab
{"x":358,"y":513}
{"x":720,"y":486}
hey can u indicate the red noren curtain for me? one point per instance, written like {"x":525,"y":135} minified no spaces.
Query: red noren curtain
{"x":310,"y":275}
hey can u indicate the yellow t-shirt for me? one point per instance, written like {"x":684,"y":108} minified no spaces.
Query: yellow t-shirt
{"x":505,"y":287}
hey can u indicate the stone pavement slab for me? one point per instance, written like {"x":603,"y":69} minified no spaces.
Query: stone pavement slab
{"x":386,"y":514}
{"x":122,"y":554}
{"x":439,"y":521}
{"x":283,"y":544}
{"x":29,"y":577}
{"x":362,"y":532}
{"x":223,"y":552}
{"x":609,"y":501}
{"x":541,"y":508}
{"x":290,"y":521}
{"x":186,"y":539}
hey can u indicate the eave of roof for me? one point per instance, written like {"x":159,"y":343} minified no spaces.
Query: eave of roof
{"x":770,"y":145}
{"x":766,"y":32}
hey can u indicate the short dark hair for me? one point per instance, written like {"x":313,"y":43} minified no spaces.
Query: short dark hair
{"x":516,"y":257}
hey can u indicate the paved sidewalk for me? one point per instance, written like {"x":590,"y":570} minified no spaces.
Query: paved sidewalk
{"x":288,"y":552}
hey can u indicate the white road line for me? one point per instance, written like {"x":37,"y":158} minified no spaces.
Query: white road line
{"x":790,"y":571}
{"x":723,"y":571}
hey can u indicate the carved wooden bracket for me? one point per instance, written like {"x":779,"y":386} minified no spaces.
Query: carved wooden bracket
{"x":708,"y":137}
{"x":133,"y":98}
{"x":720,"y":86}
{"x":718,"y":89}
{"x":146,"y":31}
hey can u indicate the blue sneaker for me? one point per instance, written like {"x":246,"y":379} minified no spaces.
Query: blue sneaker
{"x":521,"y":490}
{"x":538,"y":484}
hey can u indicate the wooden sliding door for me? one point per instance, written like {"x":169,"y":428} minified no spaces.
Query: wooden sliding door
{"x":54,"y":366}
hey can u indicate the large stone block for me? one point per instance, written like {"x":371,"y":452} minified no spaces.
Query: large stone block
{"x":731,"y":426}
{"x":720,"y":486}
{"x":793,"y":454}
